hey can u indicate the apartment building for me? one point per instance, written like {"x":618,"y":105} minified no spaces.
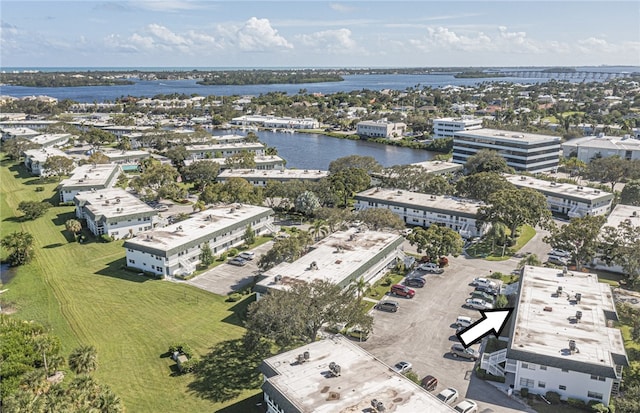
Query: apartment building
{"x":261,"y":177}
{"x":561,"y":337}
{"x":204,"y":151}
{"x":589,"y":147}
{"x":34,"y":159}
{"x":523,"y":151}
{"x":424,"y":210}
{"x":381,"y":129}
{"x":175,"y":249}
{"x":114,"y":212}
{"x":263,"y":162}
{"x":341,"y":258}
{"x":88,"y":177}
{"x":447,"y":127}
{"x":354,"y":380}
{"x":567,"y":199}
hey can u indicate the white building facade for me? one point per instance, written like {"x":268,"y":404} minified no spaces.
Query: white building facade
{"x":523,"y":151}
{"x":589,"y":147}
{"x":567,"y":199}
{"x":261,"y":177}
{"x":114,"y":212}
{"x":424,"y":210}
{"x":35,"y":159}
{"x":175,"y":249}
{"x":381,"y":129}
{"x":447,"y":127}
{"x":88,"y":177}
{"x":224,"y":150}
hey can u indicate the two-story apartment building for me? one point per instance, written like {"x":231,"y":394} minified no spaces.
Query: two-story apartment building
{"x":204,"y":151}
{"x":589,"y":147}
{"x":381,"y":129}
{"x":447,"y":127}
{"x":261,"y":177}
{"x":114,"y":212}
{"x":263,"y":163}
{"x":34,"y":159}
{"x":175,"y":249}
{"x":562,"y":337}
{"x":88,"y":177}
{"x":628,"y":214}
{"x":50,"y":139}
{"x":341,"y":258}
{"x":567,"y":199}
{"x":424,"y":210}
{"x":353,"y":379}
{"x":523,"y":151}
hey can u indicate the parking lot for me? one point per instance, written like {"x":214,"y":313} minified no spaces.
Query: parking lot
{"x":422,"y":332}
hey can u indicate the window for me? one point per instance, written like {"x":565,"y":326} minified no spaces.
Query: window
{"x":543,"y":367}
{"x":565,"y":370}
{"x":594,"y":395}
{"x":542,"y":384}
{"x":562,"y":387}
{"x":528,"y":366}
{"x":599,"y":378}
{"x":526,"y":382}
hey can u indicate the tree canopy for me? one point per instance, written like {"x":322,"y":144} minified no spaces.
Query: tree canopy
{"x":481,"y":185}
{"x":379,"y":218}
{"x":620,"y":246}
{"x":579,"y":237}
{"x":59,"y":165}
{"x":201,"y":173}
{"x":630,"y":194}
{"x":284,"y":249}
{"x":486,"y":160}
{"x":33,"y":209}
{"x":368,"y":163}
{"x":515,"y":207}
{"x":436,"y":241}
{"x":349,"y":180}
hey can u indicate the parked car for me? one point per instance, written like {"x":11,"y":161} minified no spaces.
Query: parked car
{"x":358,"y":334}
{"x":238,"y":261}
{"x":247,"y":255}
{"x":478,"y":304}
{"x":466,"y":406}
{"x":415,"y":282}
{"x":390,"y":306}
{"x":463,"y":321}
{"x":484,"y":282}
{"x":488,"y":289}
{"x":448,"y":395}
{"x":554,"y":259}
{"x":458,"y":350}
{"x":429,"y":383}
{"x":560,"y":253}
{"x":490,"y":298}
{"x":402,"y":291}
{"x":402,"y":367}
{"x":431,"y":268}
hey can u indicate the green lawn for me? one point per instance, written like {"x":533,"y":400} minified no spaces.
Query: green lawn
{"x":485,"y":249}
{"x":82,"y":294}
{"x":378,"y":290}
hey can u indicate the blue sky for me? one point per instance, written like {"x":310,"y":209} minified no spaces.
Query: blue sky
{"x":183,"y":33}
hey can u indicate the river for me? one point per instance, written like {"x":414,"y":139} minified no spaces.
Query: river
{"x":316,"y":151}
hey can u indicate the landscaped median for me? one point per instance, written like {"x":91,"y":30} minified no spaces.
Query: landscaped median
{"x":491,"y":251}
{"x":84,"y":296}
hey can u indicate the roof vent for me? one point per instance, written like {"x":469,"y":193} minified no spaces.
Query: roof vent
{"x":578,"y":297}
{"x":523,"y":178}
{"x":277,"y":278}
{"x":549,"y":309}
{"x":578,"y":316}
{"x":572,"y":346}
{"x":559,"y":290}
{"x":377,"y":405}
{"x":306,"y":356}
{"x":634,"y":214}
{"x":335,"y":369}
{"x":580,"y":188}
{"x":399,"y":192}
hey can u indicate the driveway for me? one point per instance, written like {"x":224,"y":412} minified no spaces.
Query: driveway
{"x":226,"y":278}
{"x":422,"y":333}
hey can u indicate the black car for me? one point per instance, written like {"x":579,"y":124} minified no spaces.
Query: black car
{"x":487,"y":289}
{"x":415,"y":282}
{"x":238,"y":261}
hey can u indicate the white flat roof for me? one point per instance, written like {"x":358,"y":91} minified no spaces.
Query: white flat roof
{"x":622,"y":213}
{"x":337,"y":257}
{"x":198,"y":225}
{"x":604,"y":142}
{"x":259,"y":160}
{"x":112,"y":203}
{"x":422,"y":201}
{"x":546,"y":321}
{"x":465,"y":120}
{"x":308,"y":387}
{"x":224,"y":146}
{"x":557,"y":188}
{"x":41,"y":155}
{"x":49,"y":137}
{"x":125,"y":154}
{"x":508,"y":136}
{"x":90,"y":175}
{"x":439,"y":166}
{"x":266,"y":174}
{"x":20,"y":131}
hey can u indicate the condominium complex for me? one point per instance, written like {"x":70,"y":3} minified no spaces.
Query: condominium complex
{"x":424,"y":210}
{"x":562,"y":337}
{"x":523,"y":151}
{"x":175,"y":249}
{"x":88,"y":177}
{"x":35,"y":159}
{"x":381,"y":129}
{"x":447,"y":127}
{"x":567,"y":199}
{"x":261,"y":177}
{"x":224,"y":150}
{"x":263,"y":162}
{"x":335,"y":375}
{"x":589,"y":147}
{"x":276,"y":122}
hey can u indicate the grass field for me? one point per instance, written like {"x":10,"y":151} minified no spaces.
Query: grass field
{"x":81,"y":293}
{"x":485,"y":249}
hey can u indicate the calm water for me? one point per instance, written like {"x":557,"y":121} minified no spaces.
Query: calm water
{"x":314,"y":151}
{"x":90,"y":94}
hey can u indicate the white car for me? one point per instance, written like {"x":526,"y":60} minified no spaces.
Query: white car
{"x":478,"y":304}
{"x":484,"y":282}
{"x":431,"y":267}
{"x":402,"y":367}
{"x":448,"y":395}
{"x":560,"y":253}
{"x":466,"y":406}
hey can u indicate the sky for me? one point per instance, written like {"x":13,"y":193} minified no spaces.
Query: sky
{"x":303,"y":33}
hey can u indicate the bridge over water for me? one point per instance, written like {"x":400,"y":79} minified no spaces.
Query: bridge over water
{"x":584,"y":75}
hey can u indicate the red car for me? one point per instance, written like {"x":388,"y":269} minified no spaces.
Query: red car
{"x":402,"y":291}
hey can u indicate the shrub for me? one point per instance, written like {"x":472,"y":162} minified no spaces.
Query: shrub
{"x":223,"y":256}
{"x":232,"y":252}
{"x":106,"y":238}
{"x":413,"y":377}
{"x":232,"y":298}
{"x":496,"y":275}
{"x":580,"y":404}
{"x":597,"y":406}
{"x":39,"y":188}
{"x":387,"y":281}
{"x":553,"y":397}
{"x":189,"y":365}
{"x":524,"y":392}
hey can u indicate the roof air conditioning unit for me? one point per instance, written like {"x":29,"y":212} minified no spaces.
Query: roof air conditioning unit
{"x":277,"y":278}
{"x":572,"y":346}
{"x":578,"y":298}
{"x":306,"y":356}
{"x":578,"y":315}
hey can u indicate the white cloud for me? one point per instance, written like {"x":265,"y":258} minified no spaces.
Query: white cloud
{"x":167,"y":5}
{"x":257,"y":35}
{"x":165,"y":36}
{"x":342,"y":8}
{"x":329,"y":41}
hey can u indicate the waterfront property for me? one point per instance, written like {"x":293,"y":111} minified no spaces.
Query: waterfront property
{"x":341,"y":258}
{"x":567,"y":199}
{"x":381,"y":129}
{"x":523,"y":151}
{"x":121,"y":131}
{"x":621,"y":213}
{"x":263,"y":162}
{"x":226,"y":139}
{"x":34,"y":159}
{"x":261,"y":177}
{"x":275,"y":122}
{"x":561,"y":337}
{"x":447,"y":127}
{"x":211,"y":151}
{"x":175,"y":249}
{"x":424,"y":210}
{"x":439,"y":167}
{"x":88,"y":177}
{"x":590,"y":147}
{"x":335,"y":375}
{"x":114,"y":212}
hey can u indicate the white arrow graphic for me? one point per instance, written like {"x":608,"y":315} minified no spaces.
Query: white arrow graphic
{"x":493,"y":321}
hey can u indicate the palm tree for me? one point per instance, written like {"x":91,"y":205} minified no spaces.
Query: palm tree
{"x":20,"y":247}
{"x":319,"y":229}
{"x":531,"y":259}
{"x":73,"y":226}
{"x":108,"y":402}
{"x":83,"y":390}
{"x":360,"y":286}
{"x":83,"y":360}
{"x":498,"y":232}
{"x":55,"y":400}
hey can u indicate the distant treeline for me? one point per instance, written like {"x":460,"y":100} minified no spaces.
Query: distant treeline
{"x":63,"y":79}
{"x":268,"y":77}
{"x":476,"y":74}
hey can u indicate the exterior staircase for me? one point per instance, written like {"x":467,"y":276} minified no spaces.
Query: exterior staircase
{"x":491,"y":362}
{"x":187,"y":266}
